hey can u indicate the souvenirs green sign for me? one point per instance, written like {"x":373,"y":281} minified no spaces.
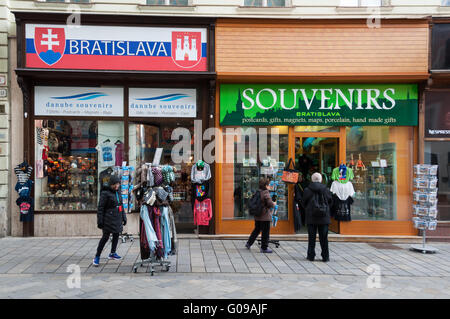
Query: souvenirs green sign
{"x":319,"y":104}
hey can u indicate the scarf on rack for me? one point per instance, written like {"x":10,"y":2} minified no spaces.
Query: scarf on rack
{"x":157,"y":225}
{"x":165,"y":227}
{"x":149,"y":230}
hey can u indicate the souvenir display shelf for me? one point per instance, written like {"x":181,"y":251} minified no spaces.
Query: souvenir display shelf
{"x":247,"y":177}
{"x":425,"y":207}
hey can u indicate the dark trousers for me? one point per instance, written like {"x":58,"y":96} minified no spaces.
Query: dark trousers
{"x":104,"y":240}
{"x":323,"y":238}
{"x":264,"y":227}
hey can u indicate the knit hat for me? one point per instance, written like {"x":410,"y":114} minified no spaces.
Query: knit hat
{"x":114,"y":180}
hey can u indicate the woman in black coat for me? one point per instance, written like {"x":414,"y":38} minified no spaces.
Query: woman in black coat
{"x":110,"y":218}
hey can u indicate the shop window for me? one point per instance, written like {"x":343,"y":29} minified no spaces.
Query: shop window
{"x":438,"y":153}
{"x":73,"y":160}
{"x":259,"y":159}
{"x":316,"y":128}
{"x":381,"y":158}
{"x":265,"y":3}
{"x":440,"y":47}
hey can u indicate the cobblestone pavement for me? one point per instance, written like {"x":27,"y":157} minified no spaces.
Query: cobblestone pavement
{"x":38,"y":268}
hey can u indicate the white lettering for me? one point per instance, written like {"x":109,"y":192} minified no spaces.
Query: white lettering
{"x":389,"y":98}
{"x":348,"y":102}
{"x":73,"y":44}
{"x":274,"y":96}
{"x":305,"y":98}
{"x":161,"y":48}
{"x":96,"y":47}
{"x":282,"y":99}
{"x":359,"y":107}
{"x":120,"y":47}
{"x":371,"y":99}
{"x":106,"y":45}
{"x":248,"y":98}
{"x":84,"y":46}
{"x":325,"y":98}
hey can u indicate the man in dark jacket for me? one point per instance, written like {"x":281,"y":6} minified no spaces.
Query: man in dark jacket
{"x":316,"y":202}
{"x":110,"y":218}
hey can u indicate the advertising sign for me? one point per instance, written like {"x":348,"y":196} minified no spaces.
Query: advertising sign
{"x":437,"y":114}
{"x":158,"y":102}
{"x":116,"y":48}
{"x":319,"y":104}
{"x":78,"y":101}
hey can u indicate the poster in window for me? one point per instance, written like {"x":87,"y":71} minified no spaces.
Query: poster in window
{"x":437,"y":115}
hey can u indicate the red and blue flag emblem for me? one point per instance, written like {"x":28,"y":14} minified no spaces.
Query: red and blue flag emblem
{"x":50,"y":44}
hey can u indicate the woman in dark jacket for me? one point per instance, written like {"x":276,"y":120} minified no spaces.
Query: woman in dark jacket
{"x":317,"y":193}
{"x":110,"y":218}
{"x":262,"y":222}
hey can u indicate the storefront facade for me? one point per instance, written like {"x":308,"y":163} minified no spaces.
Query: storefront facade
{"x":107,"y":93}
{"x":330,"y":93}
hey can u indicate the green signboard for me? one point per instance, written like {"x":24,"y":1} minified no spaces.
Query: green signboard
{"x":319,"y":104}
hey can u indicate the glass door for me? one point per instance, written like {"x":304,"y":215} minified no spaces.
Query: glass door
{"x":144,"y":139}
{"x":316,"y":153}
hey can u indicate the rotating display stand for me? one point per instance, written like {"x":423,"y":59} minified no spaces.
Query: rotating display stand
{"x":425,"y":207}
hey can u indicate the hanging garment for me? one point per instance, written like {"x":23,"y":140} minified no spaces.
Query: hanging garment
{"x":343,"y":191}
{"x":173,"y":229}
{"x":145,"y":248}
{"x":106,"y":154}
{"x":26,"y":207}
{"x":200,"y":191}
{"x":342,"y":200}
{"x":119,"y":153}
{"x":341,"y":209}
{"x":168,"y":174}
{"x":202,"y":212}
{"x":23,"y":172}
{"x":39,"y":168}
{"x":39,"y":135}
{"x":336,"y":176}
{"x":156,"y":214}
{"x":149,"y":230}
{"x":342,"y":172}
{"x":157,"y":176}
{"x":24,"y":189}
{"x":199,"y":176}
{"x":165,"y":230}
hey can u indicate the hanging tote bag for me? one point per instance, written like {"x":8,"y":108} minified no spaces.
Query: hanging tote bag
{"x":290,"y":175}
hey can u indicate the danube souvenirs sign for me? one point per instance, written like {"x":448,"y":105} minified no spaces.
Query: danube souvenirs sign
{"x":319,"y":104}
{"x":146,"y":102}
{"x":78,"y":101}
{"x":116,"y":48}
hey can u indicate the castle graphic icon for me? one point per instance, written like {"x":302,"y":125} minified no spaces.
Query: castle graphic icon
{"x":186,"y":48}
{"x":183,"y":52}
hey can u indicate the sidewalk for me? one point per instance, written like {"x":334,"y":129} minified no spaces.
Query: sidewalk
{"x":30,"y":266}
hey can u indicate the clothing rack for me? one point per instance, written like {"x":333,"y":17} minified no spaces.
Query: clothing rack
{"x":153,"y":260}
